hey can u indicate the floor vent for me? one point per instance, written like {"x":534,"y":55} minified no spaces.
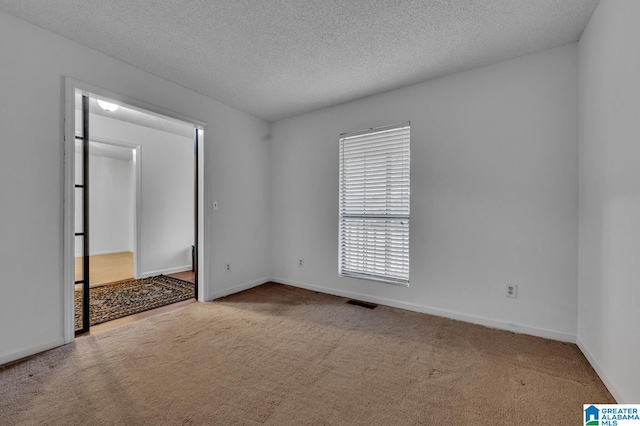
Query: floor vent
{"x":361,"y":303}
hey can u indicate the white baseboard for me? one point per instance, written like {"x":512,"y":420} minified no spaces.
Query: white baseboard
{"x":165,"y":271}
{"x":608,"y":382}
{"x":487,"y":322}
{"x":29,"y":350}
{"x":238,"y":288}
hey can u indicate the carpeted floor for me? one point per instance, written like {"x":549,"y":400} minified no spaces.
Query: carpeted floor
{"x":279,"y":355}
{"x":128,"y":297}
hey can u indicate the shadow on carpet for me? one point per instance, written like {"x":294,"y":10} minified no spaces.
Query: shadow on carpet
{"x":128,"y":297}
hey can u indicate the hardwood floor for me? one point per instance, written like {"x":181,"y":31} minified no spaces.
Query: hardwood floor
{"x":189,"y":276}
{"x":107,"y":268}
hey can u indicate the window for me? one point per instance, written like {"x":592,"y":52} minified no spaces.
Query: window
{"x":374,"y":204}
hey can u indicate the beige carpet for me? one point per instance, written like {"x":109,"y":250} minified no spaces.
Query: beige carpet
{"x":278,"y":355}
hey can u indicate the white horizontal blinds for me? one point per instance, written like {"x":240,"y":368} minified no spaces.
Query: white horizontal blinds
{"x":374,"y":204}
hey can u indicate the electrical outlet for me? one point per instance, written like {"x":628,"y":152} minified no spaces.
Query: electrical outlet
{"x":301,"y":263}
{"x":512,"y":291}
{"x":227,"y":267}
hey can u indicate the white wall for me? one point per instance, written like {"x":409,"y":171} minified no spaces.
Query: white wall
{"x":110,"y":205}
{"x":34,"y":64}
{"x":111,"y":211}
{"x":609,"y":302}
{"x":494,"y":184}
{"x":166,"y":216}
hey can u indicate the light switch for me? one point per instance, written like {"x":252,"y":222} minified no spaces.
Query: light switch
{"x":215,"y":205}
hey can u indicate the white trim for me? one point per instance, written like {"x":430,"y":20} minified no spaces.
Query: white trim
{"x":11,"y":356}
{"x":239,"y":288}
{"x":165,"y":271}
{"x":203,"y":243}
{"x":137,"y":210}
{"x":132,"y":102}
{"x":69,"y":225}
{"x":487,"y":322}
{"x":608,"y":382}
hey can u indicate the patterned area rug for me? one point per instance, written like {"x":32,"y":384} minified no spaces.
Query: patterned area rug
{"x":123,"y":298}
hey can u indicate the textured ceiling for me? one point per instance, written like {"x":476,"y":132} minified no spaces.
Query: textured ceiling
{"x":278,"y":58}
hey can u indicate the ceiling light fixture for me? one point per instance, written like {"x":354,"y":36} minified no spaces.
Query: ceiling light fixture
{"x":107,"y":106}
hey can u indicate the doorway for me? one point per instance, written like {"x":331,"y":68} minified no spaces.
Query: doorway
{"x":114,"y":186}
{"x":135,"y":217}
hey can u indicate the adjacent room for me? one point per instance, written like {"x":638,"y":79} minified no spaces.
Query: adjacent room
{"x":393,"y":213}
{"x":134,"y":212}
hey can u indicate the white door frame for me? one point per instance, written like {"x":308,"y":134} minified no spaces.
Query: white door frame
{"x":71,"y":85}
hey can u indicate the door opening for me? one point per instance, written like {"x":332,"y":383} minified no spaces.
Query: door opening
{"x":165,"y":227}
{"x":114,"y":186}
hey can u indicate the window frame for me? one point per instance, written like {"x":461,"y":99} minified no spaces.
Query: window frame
{"x":391,"y":219}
